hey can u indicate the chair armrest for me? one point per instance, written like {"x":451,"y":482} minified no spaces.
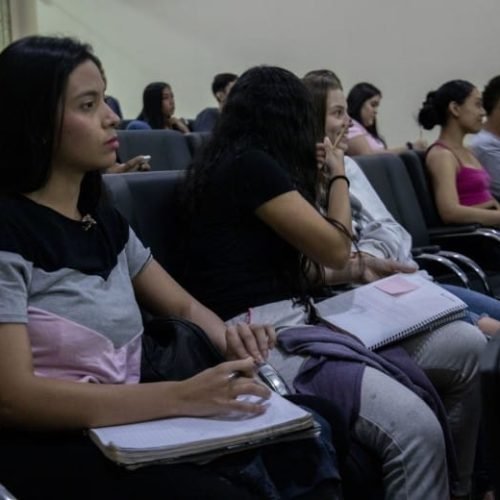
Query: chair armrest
{"x":432,"y":249}
{"x":466,"y":262}
{"x":447,"y":264}
{"x":483,"y":245}
{"x":452,"y":229}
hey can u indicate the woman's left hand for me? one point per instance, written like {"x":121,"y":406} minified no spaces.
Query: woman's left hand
{"x":330,"y":160}
{"x":245,"y":340}
{"x":136,"y":164}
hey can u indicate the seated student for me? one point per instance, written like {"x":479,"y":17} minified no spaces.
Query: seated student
{"x":382,"y":242}
{"x":254,"y":233}
{"x":158,"y":108}
{"x":136,"y":164}
{"x":461,"y":185}
{"x":114,"y":104}
{"x":70,"y":326}
{"x":486,"y":143}
{"x":363,"y":102}
{"x":206,"y":119}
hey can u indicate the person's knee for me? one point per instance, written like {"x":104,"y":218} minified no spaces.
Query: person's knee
{"x":430,"y":435}
{"x":468,"y":344}
{"x":454,"y":347}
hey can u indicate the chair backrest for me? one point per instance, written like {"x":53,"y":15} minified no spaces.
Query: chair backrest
{"x":415,"y":166}
{"x":490,"y":395}
{"x":197,"y":141}
{"x":389,"y":178}
{"x":168,"y":149}
{"x":150,"y":203}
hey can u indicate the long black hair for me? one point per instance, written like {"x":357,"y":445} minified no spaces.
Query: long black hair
{"x":319,"y":82}
{"x":152,"y":112}
{"x":358,"y":95}
{"x":269,"y":109}
{"x":34,"y":74}
{"x":434,"y":109}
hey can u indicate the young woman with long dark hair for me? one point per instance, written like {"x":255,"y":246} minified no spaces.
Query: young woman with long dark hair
{"x":364,"y":138}
{"x":257,"y":246}
{"x":71,"y":274}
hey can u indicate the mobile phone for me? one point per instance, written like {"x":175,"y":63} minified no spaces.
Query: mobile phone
{"x":144,"y":160}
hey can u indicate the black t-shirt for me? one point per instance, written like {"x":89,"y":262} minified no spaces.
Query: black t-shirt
{"x":234,"y":260}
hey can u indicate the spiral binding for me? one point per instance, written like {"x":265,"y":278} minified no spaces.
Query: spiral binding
{"x":429,"y":324}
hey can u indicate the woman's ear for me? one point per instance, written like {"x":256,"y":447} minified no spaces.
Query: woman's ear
{"x":454,"y":109}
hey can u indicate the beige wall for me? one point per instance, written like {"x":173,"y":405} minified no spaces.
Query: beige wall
{"x":405,"y":47}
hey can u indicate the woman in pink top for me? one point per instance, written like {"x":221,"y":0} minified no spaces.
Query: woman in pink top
{"x":460,"y":183}
{"x":363,"y":138}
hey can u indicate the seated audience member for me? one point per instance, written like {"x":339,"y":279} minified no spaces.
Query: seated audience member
{"x":486,"y":143}
{"x":114,"y":104}
{"x":382,"y":243}
{"x":70,"y":326}
{"x":460,"y":184}
{"x":136,"y":164}
{"x":206,"y":119}
{"x":363,"y":102}
{"x":158,"y":108}
{"x":254,"y":237}
{"x":137,"y":125}
{"x":378,"y":234}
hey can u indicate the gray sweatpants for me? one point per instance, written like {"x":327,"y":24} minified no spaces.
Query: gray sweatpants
{"x":393,"y":421}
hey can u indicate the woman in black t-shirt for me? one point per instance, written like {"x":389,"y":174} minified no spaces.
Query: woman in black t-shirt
{"x":256,"y":244}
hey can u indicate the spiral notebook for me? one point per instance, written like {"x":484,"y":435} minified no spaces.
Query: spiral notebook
{"x":199,"y":440}
{"x":391,"y":309}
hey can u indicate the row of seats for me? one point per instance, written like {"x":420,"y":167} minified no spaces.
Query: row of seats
{"x":150,"y":202}
{"x":447,"y":251}
{"x":452,"y":253}
{"x":169,"y":150}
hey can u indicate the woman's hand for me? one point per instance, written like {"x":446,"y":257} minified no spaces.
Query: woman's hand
{"x":330,"y":160}
{"x":137,"y":164}
{"x":214,"y":392}
{"x":179,"y":124}
{"x":245,"y":340}
{"x":366,"y":268}
{"x":420,"y":144}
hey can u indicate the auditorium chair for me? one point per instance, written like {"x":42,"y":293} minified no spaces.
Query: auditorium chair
{"x":478,"y":242}
{"x":197,"y":141}
{"x":490,"y":394}
{"x":389,"y":178}
{"x":169,"y":150}
{"x":150,"y":202}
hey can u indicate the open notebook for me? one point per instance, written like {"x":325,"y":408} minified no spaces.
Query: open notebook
{"x":390,"y":309}
{"x":189,"y":439}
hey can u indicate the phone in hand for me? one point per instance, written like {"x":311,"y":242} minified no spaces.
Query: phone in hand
{"x":144,"y":159}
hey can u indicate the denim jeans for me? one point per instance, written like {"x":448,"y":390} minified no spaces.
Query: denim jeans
{"x":478,"y":303}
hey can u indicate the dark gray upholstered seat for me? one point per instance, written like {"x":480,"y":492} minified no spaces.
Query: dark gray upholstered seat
{"x":196,"y":141}
{"x":480,"y":243}
{"x":389,"y":177}
{"x":168,"y":149}
{"x":489,"y":363}
{"x":150,"y":202}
